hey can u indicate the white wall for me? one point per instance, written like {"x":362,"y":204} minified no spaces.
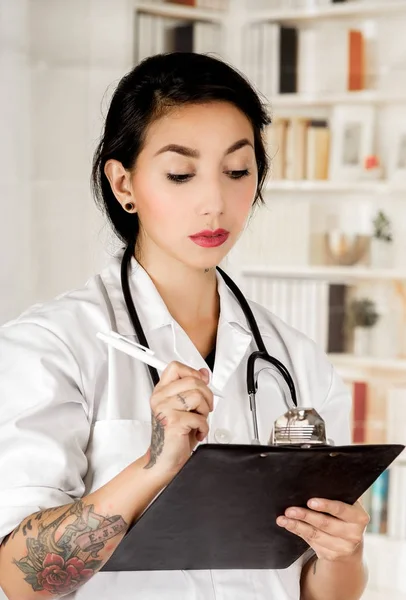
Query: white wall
{"x":59,"y":63}
{"x":15,"y":158}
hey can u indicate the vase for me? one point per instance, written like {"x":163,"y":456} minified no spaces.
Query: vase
{"x":381,"y":254}
{"x":362,"y":341}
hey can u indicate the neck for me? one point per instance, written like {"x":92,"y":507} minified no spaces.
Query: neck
{"x":190,"y":294}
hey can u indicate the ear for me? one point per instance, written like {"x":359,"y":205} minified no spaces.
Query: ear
{"x":120,"y":181}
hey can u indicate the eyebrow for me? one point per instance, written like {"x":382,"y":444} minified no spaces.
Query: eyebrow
{"x":192,"y":153}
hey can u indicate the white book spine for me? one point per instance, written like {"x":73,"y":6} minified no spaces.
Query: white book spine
{"x":396,"y":411}
{"x":270,"y":59}
{"x":395,"y":487}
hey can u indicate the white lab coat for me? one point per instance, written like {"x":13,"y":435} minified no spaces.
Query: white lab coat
{"x":74,"y":413}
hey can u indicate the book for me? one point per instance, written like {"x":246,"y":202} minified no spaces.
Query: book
{"x":296,"y":150}
{"x":183,"y":38}
{"x":183,"y":2}
{"x":288,"y":59}
{"x":336,"y":336}
{"x":356,"y":61}
{"x":270,"y":59}
{"x":359,"y":412}
{"x":396,"y":502}
{"x":276,"y":146}
{"x":376,"y":414}
{"x":379,"y":504}
{"x":318,"y":150}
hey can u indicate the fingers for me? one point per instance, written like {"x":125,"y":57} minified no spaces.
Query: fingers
{"x":325,"y":523}
{"x":336,"y":535}
{"x":191,"y":400}
{"x":183,"y":423}
{"x":186,"y":385}
{"x":350,"y":513}
{"x":191,"y":381}
{"x":315,"y":537}
{"x":176,"y":370}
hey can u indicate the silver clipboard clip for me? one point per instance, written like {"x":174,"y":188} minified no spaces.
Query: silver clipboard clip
{"x":302,"y":427}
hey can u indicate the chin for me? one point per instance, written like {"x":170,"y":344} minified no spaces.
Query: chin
{"x":204,"y":262}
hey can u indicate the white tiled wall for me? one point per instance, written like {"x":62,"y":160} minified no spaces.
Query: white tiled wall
{"x":59,"y":64}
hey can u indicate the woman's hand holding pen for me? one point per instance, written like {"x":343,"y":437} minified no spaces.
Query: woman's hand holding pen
{"x":333,"y":529}
{"x":180,"y":405}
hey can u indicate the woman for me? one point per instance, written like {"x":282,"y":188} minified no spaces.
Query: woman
{"x":178,"y":170}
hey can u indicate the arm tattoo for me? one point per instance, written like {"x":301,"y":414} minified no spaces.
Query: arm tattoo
{"x":59,"y":564}
{"x":157,"y":439}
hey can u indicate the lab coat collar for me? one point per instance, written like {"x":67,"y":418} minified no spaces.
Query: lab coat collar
{"x":152,"y":310}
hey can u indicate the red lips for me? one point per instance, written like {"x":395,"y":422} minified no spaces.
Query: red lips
{"x":210,"y":239}
{"x":208,"y":233}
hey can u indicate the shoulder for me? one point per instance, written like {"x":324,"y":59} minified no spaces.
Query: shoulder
{"x":68,"y":322}
{"x":82,"y":307}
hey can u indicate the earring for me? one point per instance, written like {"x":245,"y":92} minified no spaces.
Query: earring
{"x":129,"y":206}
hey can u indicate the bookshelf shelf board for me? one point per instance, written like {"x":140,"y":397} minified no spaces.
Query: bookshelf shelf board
{"x":368,"y":363}
{"x":179,"y":11}
{"x":336,"y":274}
{"x":383,"y":594}
{"x":326,"y":186}
{"x":345,"y":11}
{"x":364,"y":97}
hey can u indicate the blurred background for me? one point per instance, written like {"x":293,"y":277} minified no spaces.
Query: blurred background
{"x":327,"y":252}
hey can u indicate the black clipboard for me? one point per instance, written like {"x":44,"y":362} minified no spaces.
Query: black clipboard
{"x":219,"y":511}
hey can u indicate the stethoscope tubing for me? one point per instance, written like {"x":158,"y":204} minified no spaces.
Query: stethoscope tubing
{"x":261,"y":353}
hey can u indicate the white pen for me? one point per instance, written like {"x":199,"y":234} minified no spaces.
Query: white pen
{"x":138,"y":351}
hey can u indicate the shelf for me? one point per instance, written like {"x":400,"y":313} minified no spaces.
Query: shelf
{"x":336,"y":187}
{"x":355,"y":10}
{"x":384,"y":594}
{"x":380,"y":538}
{"x":364,"y":97}
{"x":336,"y":274}
{"x":179,"y":11}
{"x":368,"y":363}
{"x":385,"y":558}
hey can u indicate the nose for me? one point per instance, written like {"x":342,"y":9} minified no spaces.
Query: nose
{"x":212,"y":201}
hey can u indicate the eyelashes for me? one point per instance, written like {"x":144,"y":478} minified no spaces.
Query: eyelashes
{"x":183,"y":178}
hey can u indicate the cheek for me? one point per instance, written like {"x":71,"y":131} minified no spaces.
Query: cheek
{"x":157,"y":202}
{"x":240,"y":198}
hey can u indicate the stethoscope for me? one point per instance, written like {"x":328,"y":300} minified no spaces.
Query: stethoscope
{"x":261,"y":353}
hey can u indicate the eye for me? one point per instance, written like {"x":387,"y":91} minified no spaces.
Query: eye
{"x":179,"y":178}
{"x":238,"y":174}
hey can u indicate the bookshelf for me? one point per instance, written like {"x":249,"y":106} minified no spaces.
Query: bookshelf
{"x":355,"y":10}
{"x":361,"y":368}
{"x":179,"y":11}
{"x":309,"y":285}
{"x":329,"y":274}
{"x":328,"y":100}
{"x":335,"y":187}
{"x":369,"y":363}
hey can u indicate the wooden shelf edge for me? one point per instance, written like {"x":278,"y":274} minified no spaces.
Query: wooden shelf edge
{"x":325,"y":273}
{"x":347,"y":11}
{"x":362,"y":97}
{"x":180,"y":11}
{"x":327,"y":186}
{"x":368,"y":363}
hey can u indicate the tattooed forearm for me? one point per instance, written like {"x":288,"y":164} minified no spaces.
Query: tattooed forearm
{"x":64,"y":553}
{"x":157,"y":439}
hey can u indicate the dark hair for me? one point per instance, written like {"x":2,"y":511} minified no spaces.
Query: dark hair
{"x":157,"y":84}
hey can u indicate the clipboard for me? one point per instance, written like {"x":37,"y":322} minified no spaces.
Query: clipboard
{"x":219,"y":511}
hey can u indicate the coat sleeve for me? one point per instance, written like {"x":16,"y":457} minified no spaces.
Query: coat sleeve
{"x":44,"y":427}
